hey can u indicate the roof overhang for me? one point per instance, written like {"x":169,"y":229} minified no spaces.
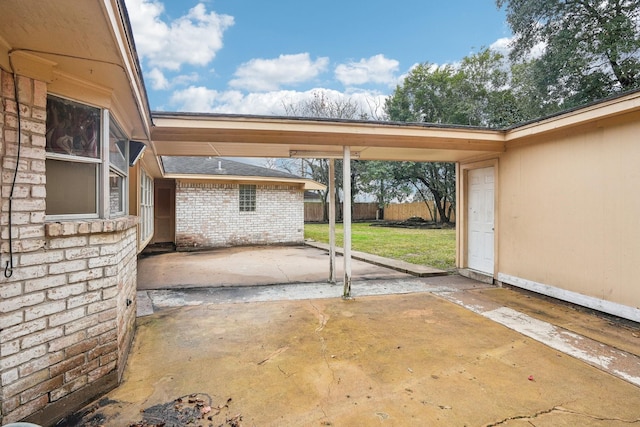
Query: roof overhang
{"x":306,"y":184}
{"x":181,"y":134}
{"x":620,"y":107}
{"x":83,"y":50}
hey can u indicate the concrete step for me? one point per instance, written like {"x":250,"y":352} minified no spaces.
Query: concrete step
{"x":393,"y":264}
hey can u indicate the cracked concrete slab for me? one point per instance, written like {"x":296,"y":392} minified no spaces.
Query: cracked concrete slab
{"x":403,"y":359}
{"x":165,"y":298}
{"x":400,"y":353}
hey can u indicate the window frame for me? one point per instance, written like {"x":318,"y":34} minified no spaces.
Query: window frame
{"x":94,"y":215}
{"x":104,"y":167}
{"x":98,"y":161}
{"x":146,"y":206}
{"x":114,"y":169}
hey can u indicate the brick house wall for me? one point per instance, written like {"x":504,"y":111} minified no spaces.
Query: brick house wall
{"x":67,"y":311}
{"x":208,"y":215}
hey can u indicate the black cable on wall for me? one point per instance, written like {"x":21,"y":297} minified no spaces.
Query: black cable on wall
{"x":8,"y":270}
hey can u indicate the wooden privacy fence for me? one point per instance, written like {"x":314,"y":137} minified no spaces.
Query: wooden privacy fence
{"x":361,"y":212}
{"x":313,"y":212}
{"x":404,"y":211}
{"x":369,"y":211}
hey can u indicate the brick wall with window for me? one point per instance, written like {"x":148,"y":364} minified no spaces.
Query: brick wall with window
{"x":218,"y":215}
{"x":67,"y":307}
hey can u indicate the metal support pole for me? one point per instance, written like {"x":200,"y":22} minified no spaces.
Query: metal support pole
{"x":346,"y":219}
{"x":332,"y":221}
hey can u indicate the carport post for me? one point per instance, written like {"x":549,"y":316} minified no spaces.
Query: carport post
{"x":346,"y":219}
{"x":332,"y":221}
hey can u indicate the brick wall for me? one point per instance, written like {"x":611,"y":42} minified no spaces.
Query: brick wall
{"x":66,"y":322}
{"x":208,"y":215}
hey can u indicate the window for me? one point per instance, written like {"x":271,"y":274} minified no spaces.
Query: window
{"x":71,"y":190}
{"x":247,"y":198}
{"x":146,"y":206}
{"x":73,"y":158}
{"x":118,"y":165}
{"x":85,"y":179}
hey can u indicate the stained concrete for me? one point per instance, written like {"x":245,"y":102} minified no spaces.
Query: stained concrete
{"x":406,"y":351}
{"x":247,"y":266}
{"x":404,"y":359}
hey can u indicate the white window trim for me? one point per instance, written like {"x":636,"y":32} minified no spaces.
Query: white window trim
{"x":55,"y":156}
{"x":104,"y":193}
{"x":114,"y":169}
{"x":68,"y":158}
{"x":146,"y":206}
{"x":78,"y":159}
{"x":103,"y":171}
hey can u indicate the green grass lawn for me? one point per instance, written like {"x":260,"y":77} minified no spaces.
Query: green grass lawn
{"x":434,"y":248}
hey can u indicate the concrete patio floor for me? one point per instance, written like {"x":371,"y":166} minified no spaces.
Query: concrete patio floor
{"x":247,"y":266}
{"x":405,"y":351}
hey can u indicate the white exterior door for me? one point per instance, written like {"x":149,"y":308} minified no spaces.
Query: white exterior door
{"x":480,"y":217}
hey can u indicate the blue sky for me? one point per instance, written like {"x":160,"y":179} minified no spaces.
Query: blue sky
{"x":253,"y":56}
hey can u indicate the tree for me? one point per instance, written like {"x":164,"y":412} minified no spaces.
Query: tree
{"x":433,"y":181}
{"x":377,"y":179}
{"x":475,"y":92}
{"x":323,"y":106}
{"x":532,"y":97}
{"x":591,"y":47}
{"x":428,"y":94}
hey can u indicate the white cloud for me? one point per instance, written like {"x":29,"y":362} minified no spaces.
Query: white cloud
{"x":376,"y":69}
{"x":264,"y":75}
{"x":185,"y":79}
{"x":503,"y":46}
{"x":203,"y":100}
{"x":158,"y":80}
{"x":195,"y":99}
{"x":194,"y":38}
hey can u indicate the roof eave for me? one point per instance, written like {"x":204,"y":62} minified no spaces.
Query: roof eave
{"x":307,"y":184}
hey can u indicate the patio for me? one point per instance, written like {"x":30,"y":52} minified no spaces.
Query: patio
{"x":405,"y":351}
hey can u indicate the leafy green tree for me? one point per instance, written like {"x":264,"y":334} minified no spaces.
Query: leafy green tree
{"x":377,"y":179}
{"x":433,"y":181}
{"x":591,"y":48}
{"x":428,"y":94}
{"x":475,"y":92}
{"x":531,"y":95}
